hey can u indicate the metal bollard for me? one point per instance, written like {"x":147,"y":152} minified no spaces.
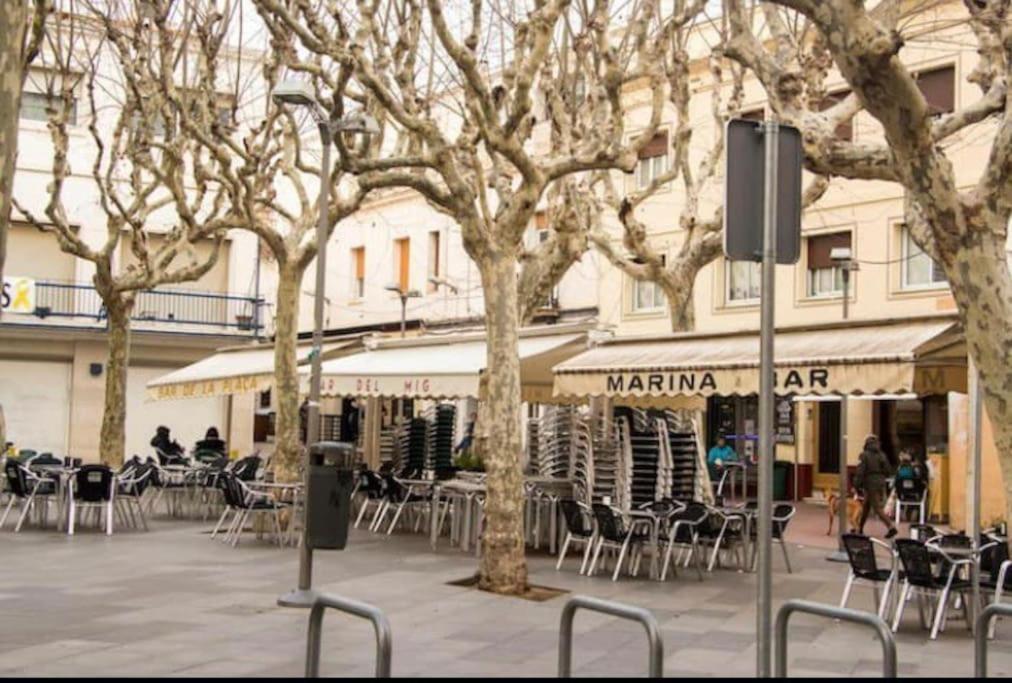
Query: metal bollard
{"x":616,"y":609}
{"x":384,"y":637}
{"x":980,"y":635}
{"x":885,"y":636}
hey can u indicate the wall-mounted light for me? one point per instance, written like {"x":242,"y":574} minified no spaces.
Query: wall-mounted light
{"x":95,"y":369}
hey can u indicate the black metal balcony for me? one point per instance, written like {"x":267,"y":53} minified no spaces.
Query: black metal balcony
{"x":162,"y":306}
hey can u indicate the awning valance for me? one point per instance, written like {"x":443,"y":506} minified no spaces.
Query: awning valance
{"x":445,"y":367}
{"x":233,"y":370}
{"x":922,"y":356}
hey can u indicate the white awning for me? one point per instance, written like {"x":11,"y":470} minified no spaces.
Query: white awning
{"x":444,"y":367}
{"x":922,"y":356}
{"x":233,"y":370}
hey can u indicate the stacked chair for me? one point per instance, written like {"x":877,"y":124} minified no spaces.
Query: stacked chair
{"x":440,"y":424}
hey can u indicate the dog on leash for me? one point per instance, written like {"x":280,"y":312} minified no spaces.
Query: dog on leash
{"x":853,"y":509}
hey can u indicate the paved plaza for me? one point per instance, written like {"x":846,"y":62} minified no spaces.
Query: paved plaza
{"x":173,"y":602}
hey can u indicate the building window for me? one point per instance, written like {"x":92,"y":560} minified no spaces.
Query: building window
{"x":648,"y":295}
{"x":845,"y":131}
{"x":358,"y":272}
{"x":402,"y":263}
{"x":919,"y":270}
{"x":939,"y":89}
{"x":35,"y":106}
{"x":824,"y":277}
{"x":744,"y":281}
{"x":432,"y":268}
{"x":653,"y":160}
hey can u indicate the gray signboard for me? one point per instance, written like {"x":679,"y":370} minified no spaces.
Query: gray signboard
{"x":743,"y":192}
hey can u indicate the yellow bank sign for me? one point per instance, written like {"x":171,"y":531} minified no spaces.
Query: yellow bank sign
{"x":18,"y":295}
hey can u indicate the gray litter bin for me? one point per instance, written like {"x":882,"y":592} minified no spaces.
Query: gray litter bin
{"x":328,"y":505}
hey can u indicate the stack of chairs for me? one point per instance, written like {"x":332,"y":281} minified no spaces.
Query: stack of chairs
{"x":440,"y":423}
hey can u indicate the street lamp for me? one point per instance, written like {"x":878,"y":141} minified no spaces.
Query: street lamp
{"x":841,"y":257}
{"x":300,"y":94}
{"x":404,"y":296}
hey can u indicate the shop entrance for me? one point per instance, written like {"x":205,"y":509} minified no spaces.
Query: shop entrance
{"x":827,"y":464}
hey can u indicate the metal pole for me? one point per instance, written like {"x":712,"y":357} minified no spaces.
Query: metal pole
{"x":973,"y":478}
{"x":655,"y":643}
{"x":304,"y":596}
{"x":846,"y":290}
{"x":404,"y":313}
{"x":843,"y":487}
{"x":766,"y":403}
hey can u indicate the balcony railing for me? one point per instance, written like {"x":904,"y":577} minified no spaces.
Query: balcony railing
{"x":163,"y":306}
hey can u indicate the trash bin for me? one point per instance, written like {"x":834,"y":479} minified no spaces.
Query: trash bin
{"x":781,"y":471}
{"x":328,"y":500}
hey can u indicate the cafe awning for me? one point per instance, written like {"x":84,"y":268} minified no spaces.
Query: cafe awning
{"x":925,"y":356}
{"x":447,"y":366}
{"x":232,"y":370}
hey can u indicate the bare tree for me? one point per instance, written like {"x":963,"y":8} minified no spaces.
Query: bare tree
{"x":23,"y":25}
{"x":148,"y":177}
{"x":963,"y":228}
{"x":496,"y":103}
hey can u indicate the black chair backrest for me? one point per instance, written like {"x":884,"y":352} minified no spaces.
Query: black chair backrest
{"x":995,"y":555}
{"x":861,"y":553}
{"x":395,"y":491}
{"x":909,"y":488}
{"x":784,"y":512}
{"x":47,"y":459}
{"x":922,"y":532}
{"x":576,"y":520}
{"x":609,"y":523}
{"x":17,"y":480}
{"x":139,"y":478}
{"x":694,"y":514}
{"x":916,"y":561}
{"x":246,"y":468}
{"x":92,"y":483}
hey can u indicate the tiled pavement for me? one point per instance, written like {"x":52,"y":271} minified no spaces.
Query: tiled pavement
{"x":172,"y":602}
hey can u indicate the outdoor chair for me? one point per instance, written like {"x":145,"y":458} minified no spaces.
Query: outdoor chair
{"x":579,"y":529}
{"x":43,"y":460}
{"x":615,"y":533}
{"x":682,"y":529}
{"x":244,"y":503}
{"x":371,"y":486}
{"x":864,"y":568}
{"x":400,"y":497}
{"x":27,"y":489}
{"x":782,"y":515}
{"x":170,"y":485}
{"x":994,"y":573}
{"x":911,"y":494}
{"x":93,"y":490}
{"x":130,"y":487}
{"x":724,"y":532}
{"x":919,"y":578}
{"x":923,"y":532}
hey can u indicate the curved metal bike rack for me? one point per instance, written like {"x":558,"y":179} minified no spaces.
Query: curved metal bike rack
{"x":384,"y":637}
{"x":885,"y":636}
{"x":980,"y":635}
{"x":615,"y":609}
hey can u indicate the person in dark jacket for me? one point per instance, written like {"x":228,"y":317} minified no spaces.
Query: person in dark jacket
{"x":211,"y":442}
{"x":873,"y":472}
{"x":169,"y":450}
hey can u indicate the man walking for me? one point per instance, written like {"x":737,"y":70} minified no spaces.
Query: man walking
{"x":872,"y":474}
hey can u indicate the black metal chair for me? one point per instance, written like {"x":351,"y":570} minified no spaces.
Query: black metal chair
{"x":723,"y":531}
{"x":92,"y":490}
{"x":131,"y":484}
{"x":782,"y":515}
{"x":579,"y":529}
{"x":682,"y":529}
{"x":864,"y":568}
{"x":994,"y":568}
{"x":27,"y":489}
{"x":245,"y":503}
{"x":614,"y":532}
{"x":911,"y":494}
{"x":371,"y":487}
{"x":919,"y":577}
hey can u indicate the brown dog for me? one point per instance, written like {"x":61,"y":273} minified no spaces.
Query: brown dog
{"x":853,"y":509}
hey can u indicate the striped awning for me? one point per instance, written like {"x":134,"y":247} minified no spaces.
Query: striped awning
{"x":920,"y":356}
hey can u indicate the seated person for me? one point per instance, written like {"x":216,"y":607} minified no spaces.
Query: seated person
{"x":719,"y":456}
{"x":169,"y":451}
{"x":211,"y":442}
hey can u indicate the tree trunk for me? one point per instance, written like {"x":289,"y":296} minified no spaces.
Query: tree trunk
{"x":680,"y":303}
{"x":503,"y":564}
{"x":980,"y":282}
{"x":112,"y":439}
{"x":13,"y":24}
{"x":287,"y":442}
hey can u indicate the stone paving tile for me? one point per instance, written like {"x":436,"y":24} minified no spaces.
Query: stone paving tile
{"x":174,"y":602}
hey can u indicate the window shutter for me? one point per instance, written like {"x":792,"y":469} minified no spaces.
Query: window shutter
{"x":657,"y":147}
{"x":939,"y":89}
{"x":820,"y":246}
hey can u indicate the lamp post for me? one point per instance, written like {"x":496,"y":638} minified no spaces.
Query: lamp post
{"x":403,"y":296}
{"x":300,"y":94}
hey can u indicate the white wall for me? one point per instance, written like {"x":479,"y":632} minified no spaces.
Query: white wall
{"x":35,"y":396}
